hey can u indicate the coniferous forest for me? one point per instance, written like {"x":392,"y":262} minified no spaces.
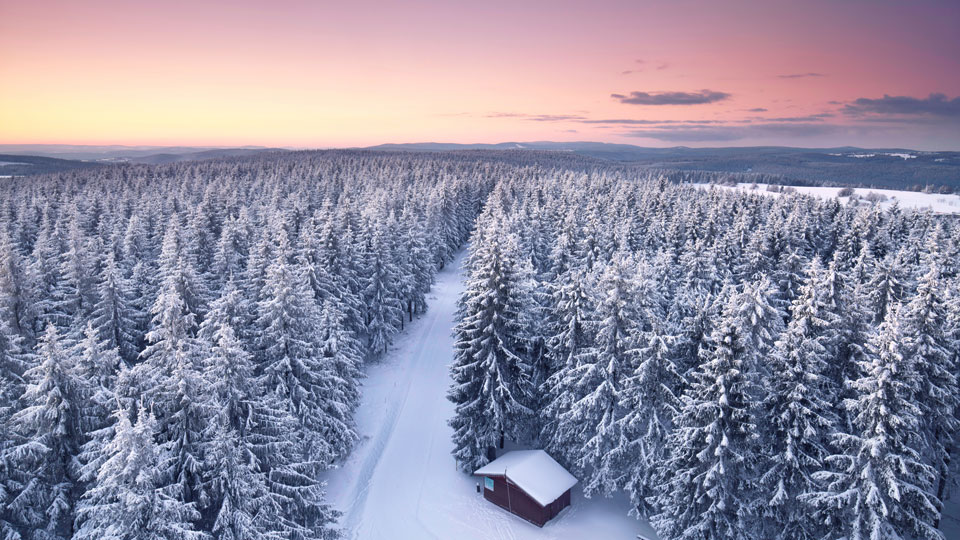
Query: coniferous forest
{"x":181,"y":346}
{"x":742,"y":366}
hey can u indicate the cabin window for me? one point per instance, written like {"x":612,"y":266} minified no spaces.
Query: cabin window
{"x":488,"y":483}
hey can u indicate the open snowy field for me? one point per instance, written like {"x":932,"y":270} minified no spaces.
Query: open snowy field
{"x":937,"y":203}
{"x":401,"y":481}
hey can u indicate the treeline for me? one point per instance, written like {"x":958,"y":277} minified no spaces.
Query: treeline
{"x":180,"y":345}
{"x":741,"y":366}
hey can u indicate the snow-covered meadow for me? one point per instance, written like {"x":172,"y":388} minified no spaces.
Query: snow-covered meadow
{"x":935,"y":202}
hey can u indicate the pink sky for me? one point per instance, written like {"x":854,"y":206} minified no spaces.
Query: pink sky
{"x":319,"y":74}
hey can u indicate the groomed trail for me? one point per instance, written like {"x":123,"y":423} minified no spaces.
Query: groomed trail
{"x":401,"y":481}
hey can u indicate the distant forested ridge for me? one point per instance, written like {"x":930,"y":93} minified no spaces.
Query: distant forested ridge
{"x":180,"y":345}
{"x":845,"y":166}
{"x":743,"y":367}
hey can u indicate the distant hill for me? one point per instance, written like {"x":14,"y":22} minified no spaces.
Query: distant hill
{"x":16,"y":165}
{"x":119,"y":153}
{"x":28,"y":159}
{"x":156,"y":159}
{"x":894,"y":168}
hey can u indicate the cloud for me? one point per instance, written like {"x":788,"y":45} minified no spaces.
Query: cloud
{"x":659,"y":67}
{"x":632,"y":122}
{"x":733,"y":133}
{"x":757,"y":109}
{"x":800,"y":75}
{"x":937,"y":105}
{"x":819,"y":117}
{"x":538,"y":117}
{"x":671,"y":98}
{"x":580,"y":119}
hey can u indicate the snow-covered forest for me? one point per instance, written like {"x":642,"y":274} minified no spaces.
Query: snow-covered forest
{"x":180,"y":345}
{"x":743,"y":367}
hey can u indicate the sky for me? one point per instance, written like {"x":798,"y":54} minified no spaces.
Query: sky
{"x":314,"y":73}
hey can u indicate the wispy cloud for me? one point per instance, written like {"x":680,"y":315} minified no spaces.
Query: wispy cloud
{"x":580,"y":119}
{"x":819,"y":117}
{"x":659,"y":67}
{"x":800,"y":75}
{"x":733,"y":133}
{"x":634,"y":122}
{"x":671,"y":98}
{"x":935,"y":105}
{"x":757,"y":109}
{"x":537,"y":117}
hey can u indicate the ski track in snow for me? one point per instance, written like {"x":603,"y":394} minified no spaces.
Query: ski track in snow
{"x":401,"y":481}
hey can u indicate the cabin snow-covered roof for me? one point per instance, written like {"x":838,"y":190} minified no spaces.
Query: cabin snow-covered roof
{"x":533,"y":471}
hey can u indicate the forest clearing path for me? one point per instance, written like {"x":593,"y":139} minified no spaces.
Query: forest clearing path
{"x":401,"y":481}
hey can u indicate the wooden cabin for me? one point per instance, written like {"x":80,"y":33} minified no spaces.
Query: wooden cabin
{"x":528,"y":483}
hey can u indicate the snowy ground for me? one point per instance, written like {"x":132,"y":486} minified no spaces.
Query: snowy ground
{"x":401,"y":481}
{"x":940,"y":204}
{"x":950,"y":524}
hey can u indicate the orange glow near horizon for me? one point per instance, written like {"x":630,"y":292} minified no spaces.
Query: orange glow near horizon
{"x":321,"y":74}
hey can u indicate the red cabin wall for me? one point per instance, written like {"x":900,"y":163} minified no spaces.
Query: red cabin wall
{"x":513,"y":499}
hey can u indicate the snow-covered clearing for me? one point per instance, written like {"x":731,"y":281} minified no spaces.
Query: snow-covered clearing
{"x":950,"y":523}
{"x":935,"y":202}
{"x":401,"y":481}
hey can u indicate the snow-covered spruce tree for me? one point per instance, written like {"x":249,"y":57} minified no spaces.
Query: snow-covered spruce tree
{"x":341,"y":353}
{"x":490,"y":372}
{"x":571,"y":330}
{"x":798,"y":411}
{"x":886,"y":285}
{"x":13,"y":363}
{"x":240,"y":504}
{"x":928,"y":346}
{"x":127,"y":501}
{"x":598,"y":390}
{"x":232,"y":251}
{"x":76,"y":294}
{"x":143,"y":292}
{"x":95,"y":365}
{"x":650,"y":399}
{"x":421,"y":264}
{"x":169,"y":378}
{"x":187,"y":411}
{"x":48,"y":441}
{"x":759,"y":319}
{"x":44,"y":278}
{"x":290,"y":357}
{"x":384,"y":313}
{"x":952,"y":331}
{"x":876,"y":485}
{"x":707,"y":484}
{"x":16,"y":308}
{"x":172,"y":328}
{"x":336,"y":254}
{"x":113,"y":313}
